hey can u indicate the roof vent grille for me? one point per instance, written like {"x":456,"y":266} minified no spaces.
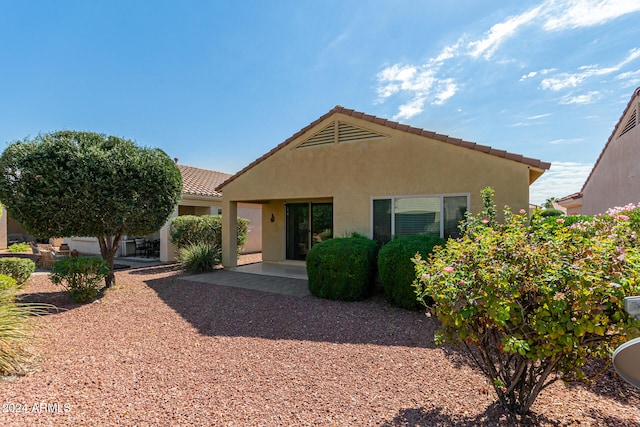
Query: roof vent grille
{"x":345,"y":133}
{"x":630,"y":124}
{"x":325,"y":136}
{"x":350,"y":133}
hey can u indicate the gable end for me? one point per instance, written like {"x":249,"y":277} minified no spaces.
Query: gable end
{"x":340,"y":132}
{"x":631,"y":123}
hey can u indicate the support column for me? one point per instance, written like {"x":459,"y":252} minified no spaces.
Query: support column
{"x":167,"y":249}
{"x":229,"y":234}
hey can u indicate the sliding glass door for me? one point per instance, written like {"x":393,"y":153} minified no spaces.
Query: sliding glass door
{"x":307,"y":224}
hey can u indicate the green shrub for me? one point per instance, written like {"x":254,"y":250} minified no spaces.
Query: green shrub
{"x":81,"y":277}
{"x":191,"y":229}
{"x":538,"y":221}
{"x":19,"y":247}
{"x":342,"y":268}
{"x":551,"y":213}
{"x":533,"y":303}
{"x":15,"y":329}
{"x":198,"y":257}
{"x":18,"y":268}
{"x":397,"y":271}
{"x":8,"y":282}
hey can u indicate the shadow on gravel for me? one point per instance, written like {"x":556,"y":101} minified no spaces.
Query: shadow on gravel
{"x":54,"y":302}
{"x":225,"y":311}
{"x":154,"y":269}
{"x":494,"y":415}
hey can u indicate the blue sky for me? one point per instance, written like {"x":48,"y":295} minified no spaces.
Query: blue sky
{"x":218,"y":84}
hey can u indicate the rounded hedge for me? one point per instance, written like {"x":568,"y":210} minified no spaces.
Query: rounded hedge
{"x":342,"y":268}
{"x":397,"y":271}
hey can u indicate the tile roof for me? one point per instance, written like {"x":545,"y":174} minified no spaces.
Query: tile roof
{"x":395,"y":125}
{"x":574,"y":196}
{"x":201,"y":182}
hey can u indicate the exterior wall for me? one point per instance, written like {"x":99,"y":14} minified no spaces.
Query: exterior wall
{"x":3,"y":228}
{"x":186,"y":206}
{"x":254,"y":236}
{"x":351,"y":173}
{"x":273,"y":232}
{"x":615,"y":180}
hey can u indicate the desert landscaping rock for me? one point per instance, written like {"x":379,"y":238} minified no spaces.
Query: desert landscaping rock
{"x":158,"y":350}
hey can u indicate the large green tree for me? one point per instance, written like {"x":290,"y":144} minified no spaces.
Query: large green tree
{"x":70,"y":183}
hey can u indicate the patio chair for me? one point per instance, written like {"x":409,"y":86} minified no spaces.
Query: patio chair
{"x":49,"y":258}
{"x":154,"y":249}
{"x":142,"y":246}
{"x":37,"y":255}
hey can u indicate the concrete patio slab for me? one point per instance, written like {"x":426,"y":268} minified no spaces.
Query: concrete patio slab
{"x":294,"y":285}
{"x":292,"y":270}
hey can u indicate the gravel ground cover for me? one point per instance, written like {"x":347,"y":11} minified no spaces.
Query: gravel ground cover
{"x":157,"y":351}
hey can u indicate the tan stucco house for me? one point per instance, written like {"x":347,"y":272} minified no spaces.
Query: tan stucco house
{"x":615,"y":177}
{"x":353,"y":172}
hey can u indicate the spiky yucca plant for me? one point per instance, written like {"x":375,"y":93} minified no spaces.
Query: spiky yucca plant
{"x":15,"y":329}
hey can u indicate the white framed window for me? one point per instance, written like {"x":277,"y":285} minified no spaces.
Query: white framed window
{"x":436,"y":215}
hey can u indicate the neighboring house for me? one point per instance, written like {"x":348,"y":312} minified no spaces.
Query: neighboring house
{"x":352,"y":172}
{"x":199,"y":197}
{"x":615,"y":177}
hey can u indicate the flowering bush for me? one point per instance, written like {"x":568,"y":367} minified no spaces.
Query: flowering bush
{"x":533,"y":300}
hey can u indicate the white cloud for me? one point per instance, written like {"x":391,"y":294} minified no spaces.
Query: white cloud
{"x":448,"y":52}
{"x":562,"y":179}
{"x":410,"y":109}
{"x":420,"y":81}
{"x":563,"y":141}
{"x":562,"y":81}
{"x":432,"y":82}
{"x":532,"y":74}
{"x":500,"y":32}
{"x":447,"y":89}
{"x":585,"y":13}
{"x":529,"y":75}
{"x":631,"y":78}
{"x":572,"y":80}
{"x":539,"y":116}
{"x":587,"y":98}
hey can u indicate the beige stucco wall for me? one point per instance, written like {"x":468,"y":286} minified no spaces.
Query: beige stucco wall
{"x":352,"y":173}
{"x":188,"y":205}
{"x":615,"y":181}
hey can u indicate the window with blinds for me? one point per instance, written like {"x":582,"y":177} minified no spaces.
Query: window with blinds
{"x":406,"y":216}
{"x":417,"y":215}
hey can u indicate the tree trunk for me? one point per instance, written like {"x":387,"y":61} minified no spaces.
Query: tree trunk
{"x":108,"y":249}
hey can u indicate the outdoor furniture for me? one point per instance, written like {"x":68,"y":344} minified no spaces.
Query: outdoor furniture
{"x":142,"y":247}
{"x":49,"y":258}
{"x":45,"y":247}
{"x":37,"y":255}
{"x":154,"y":249}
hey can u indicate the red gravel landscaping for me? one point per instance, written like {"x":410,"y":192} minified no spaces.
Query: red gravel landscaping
{"x":157,"y":351}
